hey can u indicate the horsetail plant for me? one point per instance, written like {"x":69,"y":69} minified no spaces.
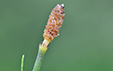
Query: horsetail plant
{"x":51,"y":31}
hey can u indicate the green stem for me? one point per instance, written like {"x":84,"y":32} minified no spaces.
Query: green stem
{"x":22,"y":63}
{"x":42,"y":49}
{"x":38,"y":62}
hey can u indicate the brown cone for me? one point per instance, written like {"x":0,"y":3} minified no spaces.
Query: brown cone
{"x":54,"y":23}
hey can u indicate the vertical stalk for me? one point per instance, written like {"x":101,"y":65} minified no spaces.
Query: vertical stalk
{"x":38,"y":62}
{"x":22,"y":63}
{"x":41,"y":52}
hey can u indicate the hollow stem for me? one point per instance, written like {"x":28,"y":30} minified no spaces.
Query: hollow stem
{"x":42,"y":49}
{"x":38,"y":62}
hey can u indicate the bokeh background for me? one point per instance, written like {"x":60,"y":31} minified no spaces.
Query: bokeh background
{"x":85,"y":42}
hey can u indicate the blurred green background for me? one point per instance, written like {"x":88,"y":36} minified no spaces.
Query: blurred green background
{"x":85,"y":42}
